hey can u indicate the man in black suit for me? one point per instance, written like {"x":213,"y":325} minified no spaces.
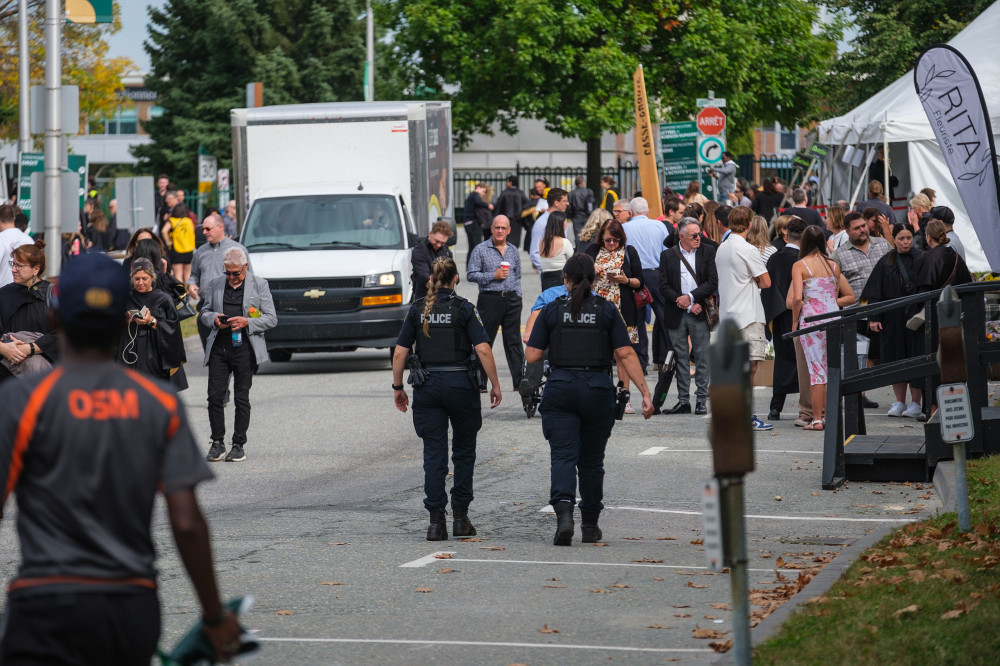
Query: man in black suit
{"x":779,"y":267}
{"x":687,"y":277}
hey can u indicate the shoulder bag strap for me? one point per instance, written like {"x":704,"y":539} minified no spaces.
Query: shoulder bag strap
{"x":953,"y":269}
{"x":686,"y":264}
{"x":902,"y":269}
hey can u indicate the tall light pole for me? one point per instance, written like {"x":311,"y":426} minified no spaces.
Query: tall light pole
{"x":370,"y":54}
{"x":24,"y":77}
{"x":53,"y":133}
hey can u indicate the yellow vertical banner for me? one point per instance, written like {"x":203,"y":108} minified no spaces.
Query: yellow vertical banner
{"x":645,"y":148}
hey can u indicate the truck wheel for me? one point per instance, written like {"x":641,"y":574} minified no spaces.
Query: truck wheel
{"x":279,"y":355}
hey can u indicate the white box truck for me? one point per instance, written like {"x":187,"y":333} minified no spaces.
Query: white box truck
{"x":334,"y":196}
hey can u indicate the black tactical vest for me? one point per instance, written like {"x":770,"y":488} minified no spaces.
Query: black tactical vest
{"x":449,"y":342}
{"x":579,"y":342}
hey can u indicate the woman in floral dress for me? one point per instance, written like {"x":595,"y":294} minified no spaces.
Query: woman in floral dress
{"x":619,"y":276}
{"x":818,"y":287}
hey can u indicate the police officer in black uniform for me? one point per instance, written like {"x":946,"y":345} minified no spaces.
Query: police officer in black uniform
{"x":583,"y":334}
{"x":447,"y":330}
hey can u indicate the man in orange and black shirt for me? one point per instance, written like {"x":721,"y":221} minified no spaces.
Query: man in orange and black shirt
{"x":86,"y":448}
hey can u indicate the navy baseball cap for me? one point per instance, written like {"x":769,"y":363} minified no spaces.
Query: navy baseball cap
{"x":93,"y":292}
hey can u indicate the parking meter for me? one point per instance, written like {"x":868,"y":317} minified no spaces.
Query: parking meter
{"x":730,"y":393}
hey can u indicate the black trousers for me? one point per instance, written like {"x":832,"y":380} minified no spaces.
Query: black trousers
{"x":239,"y":361}
{"x":81,"y":628}
{"x":503,"y":309}
{"x":474,"y":233}
{"x":661,"y":339}
{"x":447,"y":397}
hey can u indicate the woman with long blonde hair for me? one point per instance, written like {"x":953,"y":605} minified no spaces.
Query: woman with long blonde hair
{"x":445,"y":331}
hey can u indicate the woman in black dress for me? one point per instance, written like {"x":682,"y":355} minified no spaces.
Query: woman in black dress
{"x":767,"y":201}
{"x":28,"y":345}
{"x":894,"y":276}
{"x":152,"y":343}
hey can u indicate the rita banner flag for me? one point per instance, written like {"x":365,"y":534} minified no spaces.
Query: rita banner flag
{"x":954,"y":103}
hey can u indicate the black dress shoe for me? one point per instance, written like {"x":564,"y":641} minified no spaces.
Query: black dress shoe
{"x":679,"y":408}
{"x":774,"y":415}
{"x":868,"y":404}
{"x":700,"y":408}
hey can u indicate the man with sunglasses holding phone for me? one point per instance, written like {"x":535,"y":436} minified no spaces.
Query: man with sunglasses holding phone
{"x":238,"y":308}
{"x":206,"y":264}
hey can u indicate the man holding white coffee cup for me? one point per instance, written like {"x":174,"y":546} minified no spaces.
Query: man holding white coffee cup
{"x":496,"y":267}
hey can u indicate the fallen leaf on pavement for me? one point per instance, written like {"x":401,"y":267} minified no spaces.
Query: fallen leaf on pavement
{"x":552,"y":579}
{"x":648,"y":560}
{"x":599,"y":543}
{"x":720,"y":606}
{"x":600,"y":591}
{"x":446,"y":571}
{"x":545,"y":630}
{"x":722,"y":646}
{"x":555,"y":587}
{"x":284,"y":613}
{"x":695,"y":585}
{"x":697,"y":542}
{"x":708,"y":633}
{"x":492,"y":548}
{"x":657,"y":577}
{"x":666,"y":539}
{"x":443,"y":556}
{"x":681,"y":605}
{"x":632,"y":538}
{"x":682,"y":614}
{"x":471,"y":540}
{"x":338,"y":543}
{"x":656,"y":626}
{"x":423,"y":590}
{"x":621,"y":586}
{"x":331,"y":582}
{"x":710,"y":617}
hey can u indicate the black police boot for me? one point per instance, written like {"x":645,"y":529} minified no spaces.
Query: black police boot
{"x":589,"y":531}
{"x":564,"y":524}
{"x":462,"y":526}
{"x":438,"y":529}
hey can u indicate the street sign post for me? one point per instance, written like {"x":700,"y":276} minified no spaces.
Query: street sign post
{"x":678,"y":149}
{"x":35,"y":163}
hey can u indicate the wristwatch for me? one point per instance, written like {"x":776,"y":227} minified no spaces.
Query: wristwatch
{"x":397,"y":387}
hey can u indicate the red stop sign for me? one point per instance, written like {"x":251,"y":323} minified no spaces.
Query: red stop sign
{"x":711,"y":121}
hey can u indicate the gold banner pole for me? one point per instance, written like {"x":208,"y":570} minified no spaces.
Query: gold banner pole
{"x":645,"y":148}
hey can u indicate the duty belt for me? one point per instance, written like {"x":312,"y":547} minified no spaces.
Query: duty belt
{"x":446,"y":368}
{"x":585,"y":368}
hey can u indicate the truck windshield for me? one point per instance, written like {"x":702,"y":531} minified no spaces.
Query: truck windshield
{"x":348,"y":221}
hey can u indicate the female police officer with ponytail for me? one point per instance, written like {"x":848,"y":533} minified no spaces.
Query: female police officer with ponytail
{"x":583,"y":333}
{"x":447,"y":330}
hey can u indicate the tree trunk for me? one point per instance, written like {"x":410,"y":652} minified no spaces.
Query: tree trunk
{"x":594,"y":168}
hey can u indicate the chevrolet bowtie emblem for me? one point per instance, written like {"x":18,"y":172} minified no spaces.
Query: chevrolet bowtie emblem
{"x":314,"y":293}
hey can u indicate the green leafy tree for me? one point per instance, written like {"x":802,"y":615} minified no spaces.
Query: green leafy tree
{"x":889,"y":37}
{"x":570,"y":62}
{"x":204,"y":53}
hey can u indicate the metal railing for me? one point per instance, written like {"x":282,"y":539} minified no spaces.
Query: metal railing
{"x":845,"y":380}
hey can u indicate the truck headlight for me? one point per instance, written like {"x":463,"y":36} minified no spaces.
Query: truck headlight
{"x":380,"y":280}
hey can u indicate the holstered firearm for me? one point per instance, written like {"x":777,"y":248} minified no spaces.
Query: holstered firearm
{"x":476,"y":372}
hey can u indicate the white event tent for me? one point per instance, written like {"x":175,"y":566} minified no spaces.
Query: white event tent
{"x":895,"y":116}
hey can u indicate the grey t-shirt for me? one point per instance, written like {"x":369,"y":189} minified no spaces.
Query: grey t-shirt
{"x":956,"y":244}
{"x":86,"y":448}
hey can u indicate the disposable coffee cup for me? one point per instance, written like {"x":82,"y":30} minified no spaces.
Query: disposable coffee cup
{"x":505,"y":265}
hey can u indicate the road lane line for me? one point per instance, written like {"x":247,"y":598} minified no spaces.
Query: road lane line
{"x":424,"y":561}
{"x":392,"y":641}
{"x":762,"y":517}
{"x":433,"y":557}
{"x":653,"y":450}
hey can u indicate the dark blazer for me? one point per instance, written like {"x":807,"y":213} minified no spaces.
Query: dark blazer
{"x":670,"y":281}
{"x":779,"y":267}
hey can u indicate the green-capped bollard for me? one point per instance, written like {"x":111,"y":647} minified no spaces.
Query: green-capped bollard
{"x":731,"y":438}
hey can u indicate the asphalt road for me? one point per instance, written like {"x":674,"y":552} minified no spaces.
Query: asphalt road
{"x":324,"y":525}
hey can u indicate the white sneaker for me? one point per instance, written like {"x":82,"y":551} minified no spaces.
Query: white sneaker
{"x":913,"y":411}
{"x":896,"y":409}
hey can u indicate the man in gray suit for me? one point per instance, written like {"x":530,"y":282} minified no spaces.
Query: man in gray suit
{"x":238,"y":308}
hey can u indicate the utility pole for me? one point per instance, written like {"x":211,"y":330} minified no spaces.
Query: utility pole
{"x":53,"y":134}
{"x":370,"y":54}
{"x":24,"y":78}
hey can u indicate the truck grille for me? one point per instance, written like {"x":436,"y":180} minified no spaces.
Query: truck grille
{"x":316,"y":305}
{"x":316,"y":283}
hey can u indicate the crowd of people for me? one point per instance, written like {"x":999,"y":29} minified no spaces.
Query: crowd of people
{"x":178,"y":268}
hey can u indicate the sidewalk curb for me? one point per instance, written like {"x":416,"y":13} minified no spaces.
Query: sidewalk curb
{"x":818,"y":586}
